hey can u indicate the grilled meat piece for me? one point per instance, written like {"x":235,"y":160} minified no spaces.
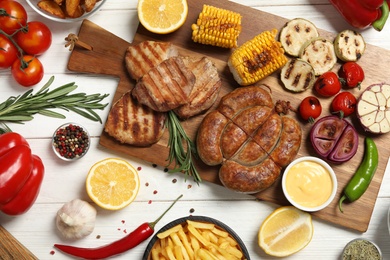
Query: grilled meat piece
{"x":132,"y":123}
{"x":206,"y":88}
{"x":141,"y":58}
{"x":166,"y":86}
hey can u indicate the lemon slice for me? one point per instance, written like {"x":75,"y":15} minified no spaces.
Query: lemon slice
{"x":285,"y":231}
{"x":162,"y":16}
{"x":112,"y":183}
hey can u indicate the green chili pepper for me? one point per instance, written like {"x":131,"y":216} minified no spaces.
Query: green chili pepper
{"x":364,"y":174}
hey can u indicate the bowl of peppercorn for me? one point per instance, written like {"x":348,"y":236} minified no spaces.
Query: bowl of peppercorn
{"x":71,"y":141}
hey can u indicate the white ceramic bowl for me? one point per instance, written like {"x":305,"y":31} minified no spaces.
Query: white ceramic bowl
{"x":57,"y":145}
{"x":304,"y":181}
{"x":34,"y":5}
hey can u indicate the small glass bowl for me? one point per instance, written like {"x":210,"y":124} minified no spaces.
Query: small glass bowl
{"x":70,"y":141}
{"x":366,"y":242}
{"x":324,"y":165}
{"x":34,"y":5}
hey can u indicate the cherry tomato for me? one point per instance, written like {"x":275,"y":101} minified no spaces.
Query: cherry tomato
{"x":12,"y":16}
{"x":328,"y":84}
{"x":310,"y":108}
{"x":351,"y":74}
{"x":8,"y":52}
{"x":27,"y":72}
{"x":344,"y":103}
{"x":35,"y":39}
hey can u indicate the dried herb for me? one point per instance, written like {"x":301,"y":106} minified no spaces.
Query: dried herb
{"x":23,"y":107}
{"x":181,"y":148}
{"x":361,"y":249}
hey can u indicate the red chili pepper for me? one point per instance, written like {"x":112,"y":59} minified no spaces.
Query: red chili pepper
{"x":129,"y":241}
{"x":363,"y":13}
{"x":27,"y":195}
{"x":351,"y":74}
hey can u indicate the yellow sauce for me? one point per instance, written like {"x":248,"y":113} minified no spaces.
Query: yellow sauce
{"x":309,"y":184}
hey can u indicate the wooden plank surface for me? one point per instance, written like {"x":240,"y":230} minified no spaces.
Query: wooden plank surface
{"x":107,"y":58}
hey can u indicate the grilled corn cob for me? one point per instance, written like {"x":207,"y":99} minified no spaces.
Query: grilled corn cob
{"x":257,"y":58}
{"x":217,"y":27}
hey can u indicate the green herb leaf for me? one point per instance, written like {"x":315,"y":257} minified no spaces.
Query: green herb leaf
{"x":24,"y":107}
{"x":181,"y":149}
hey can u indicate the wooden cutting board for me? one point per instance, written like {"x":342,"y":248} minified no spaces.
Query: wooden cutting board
{"x":10,"y":248}
{"x":107,"y":58}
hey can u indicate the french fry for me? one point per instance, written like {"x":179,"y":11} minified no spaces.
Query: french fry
{"x":198,"y":236}
{"x":167,"y":232}
{"x":201,"y":225}
{"x":194,"y":240}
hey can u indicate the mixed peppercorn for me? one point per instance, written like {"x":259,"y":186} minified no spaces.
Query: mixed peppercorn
{"x":71,"y":141}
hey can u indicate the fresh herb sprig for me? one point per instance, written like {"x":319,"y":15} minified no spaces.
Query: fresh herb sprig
{"x":23,"y":107}
{"x":181,"y":154}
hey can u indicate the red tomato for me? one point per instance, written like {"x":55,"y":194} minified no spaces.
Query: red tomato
{"x":328,"y":84}
{"x":310,"y":108}
{"x":35,"y":40}
{"x":27,"y":72}
{"x":15,"y":16}
{"x":344,"y":103}
{"x":351,"y":74}
{"x":8,"y":52}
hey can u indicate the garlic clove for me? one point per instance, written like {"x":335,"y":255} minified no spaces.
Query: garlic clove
{"x":76,"y":219}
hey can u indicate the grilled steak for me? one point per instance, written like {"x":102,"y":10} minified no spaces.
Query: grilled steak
{"x":166,"y":86}
{"x":132,"y":123}
{"x":206,"y":88}
{"x":140,"y":58}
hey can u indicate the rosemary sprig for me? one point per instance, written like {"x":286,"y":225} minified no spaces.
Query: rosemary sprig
{"x":178,"y":153}
{"x":23,"y":107}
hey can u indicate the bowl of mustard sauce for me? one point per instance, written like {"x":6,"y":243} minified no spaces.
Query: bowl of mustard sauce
{"x":309,"y":183}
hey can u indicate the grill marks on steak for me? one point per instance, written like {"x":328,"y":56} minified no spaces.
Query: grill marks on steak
{"x":166,"y":86}
{"x":132,"y":123}
{"x":141,"y":58}
{"x":206,"y":88}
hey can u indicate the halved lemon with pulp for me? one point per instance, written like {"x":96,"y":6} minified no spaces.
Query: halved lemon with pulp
{"x":285,"y":231}
{"x":162,"y":16}
{"x":112,"y":183}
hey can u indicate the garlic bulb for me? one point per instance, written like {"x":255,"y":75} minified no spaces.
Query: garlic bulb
{"x":76,"y":219}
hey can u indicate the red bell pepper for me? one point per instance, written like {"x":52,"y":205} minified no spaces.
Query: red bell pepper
{"x":363,"y":13}
{"x":26,"y":197}
{"x":21,"y":174}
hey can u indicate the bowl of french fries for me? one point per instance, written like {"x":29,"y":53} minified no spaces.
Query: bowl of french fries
{"x":66,"y":11}
{"x":196,"y":237}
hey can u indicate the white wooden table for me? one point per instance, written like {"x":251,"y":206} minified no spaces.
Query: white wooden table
{"x":65,"y":181}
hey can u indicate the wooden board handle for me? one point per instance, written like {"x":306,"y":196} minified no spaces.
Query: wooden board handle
{"x":10,"y":248}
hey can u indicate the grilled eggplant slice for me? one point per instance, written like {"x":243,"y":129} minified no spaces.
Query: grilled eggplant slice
{"x":297,"y":75}
{"x":296,"y":33}
{"x":349,"y":45}
{"x":320,"y":53}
